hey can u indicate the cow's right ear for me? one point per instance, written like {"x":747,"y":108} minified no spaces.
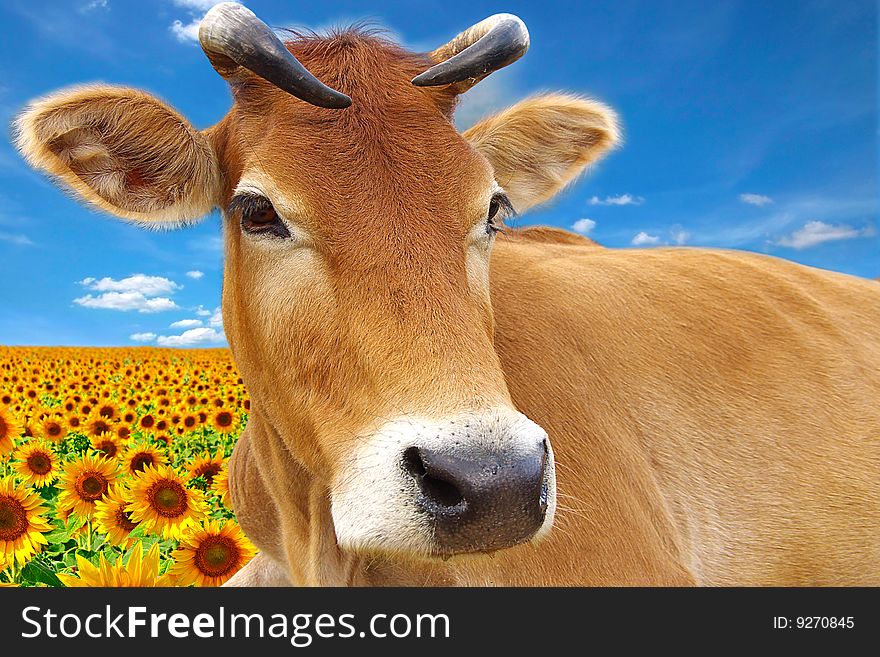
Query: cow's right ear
{"x":123,"y":151}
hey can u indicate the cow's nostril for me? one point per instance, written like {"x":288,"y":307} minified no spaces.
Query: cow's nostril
{"x":443,"y":493}
{"x":412,"y":462}
{"x":435,"y":486}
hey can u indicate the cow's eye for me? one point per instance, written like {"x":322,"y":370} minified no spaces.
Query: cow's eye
{"x":258,"y":216}
{"x":500,"y":208}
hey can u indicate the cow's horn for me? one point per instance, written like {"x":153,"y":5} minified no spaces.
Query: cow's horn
{"x":475,"y":53}
{"x":232,"y":36}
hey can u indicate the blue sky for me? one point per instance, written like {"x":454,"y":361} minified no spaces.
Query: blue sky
{"x":748,"y":125}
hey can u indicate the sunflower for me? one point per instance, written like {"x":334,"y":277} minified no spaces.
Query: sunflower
{"x":108,"y":411}
{"x":223,"y":421}
{"x":21,"y":523}
{"x":52,"y":428}
{"x":122,"y":431}
{"x":30,"y":429}
{"x":189,"y":420}
{"x":37,"y":463}
{"x":140,"y":456}
{"x":136,"y":570}
{"x":85,"y":481}
{"x":206,"y":466}
{"x":210,"y":554}
{"x":220,"y":486}
{"x":10,"y":430}
{"x":161,"y":500}
{"x":108,"y":444}
{"x":97,"y":425}
{"x":74,"y":422}
{"x":147,"y":422}
{"x":113,"y":518}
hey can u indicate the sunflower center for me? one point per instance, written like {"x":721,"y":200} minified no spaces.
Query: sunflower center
{"x":108,"y":447}
{"x":168,"y":498}
{"x":216,"y":556}
{"x":189,"y":422}
{"x":123,"y":519}
{"x":13,"y":519}
{"x":208,"y":471}
{"x":147,"y":421}
{"x":91,"y":486}
{"x":39,"y":463}
{"x":53,"y":429}
{"x":141,"y":461}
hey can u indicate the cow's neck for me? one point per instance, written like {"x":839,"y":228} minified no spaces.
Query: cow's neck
{"x":286,"y":513}
{"x":282,"y":509}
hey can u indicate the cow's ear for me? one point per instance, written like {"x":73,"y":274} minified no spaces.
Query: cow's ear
{"x":541,"y":144}
{"x":123,"y":151}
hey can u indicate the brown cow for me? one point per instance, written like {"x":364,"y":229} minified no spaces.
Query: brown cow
{"x":713,"y":415}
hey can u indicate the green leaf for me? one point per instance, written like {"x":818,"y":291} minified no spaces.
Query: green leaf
{"x":35,"y":571}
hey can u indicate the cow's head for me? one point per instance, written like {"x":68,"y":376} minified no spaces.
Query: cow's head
{"x":359,"y":228}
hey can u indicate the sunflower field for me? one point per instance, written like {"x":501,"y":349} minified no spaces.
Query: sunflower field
{"x":113,"y":467}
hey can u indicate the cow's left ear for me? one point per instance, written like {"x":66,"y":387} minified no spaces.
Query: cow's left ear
{"x":541,"y":144}
{"x":123,"y":151}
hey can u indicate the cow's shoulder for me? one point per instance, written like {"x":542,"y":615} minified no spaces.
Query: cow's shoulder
{"x":548,"y":235}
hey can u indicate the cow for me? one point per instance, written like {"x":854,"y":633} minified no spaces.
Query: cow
{"x":440,"y":400}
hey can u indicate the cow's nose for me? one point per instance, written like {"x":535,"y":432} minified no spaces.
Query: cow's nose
{"x":478,"y":499}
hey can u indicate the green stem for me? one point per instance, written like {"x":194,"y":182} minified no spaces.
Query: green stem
{"x":15,"y":572}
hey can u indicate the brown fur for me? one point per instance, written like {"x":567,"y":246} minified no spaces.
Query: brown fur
{"x":713,"y":414}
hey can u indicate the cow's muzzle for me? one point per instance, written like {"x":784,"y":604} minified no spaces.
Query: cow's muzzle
{"x":478,"y":499}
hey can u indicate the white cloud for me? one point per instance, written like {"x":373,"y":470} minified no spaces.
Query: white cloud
{"x":136,"y":292}
{"x":126,"y":301}
{"x":142,"y":337}
{"x":189,"y":32}
{"x":186,"y":323}
{"x":201,"y":311}
{"x":217,"y":318}
{"x":195,"y":274}
{"x":199,"y":5}
{"x":814,"y":233}
{"x":146,"y":285}
{"x":17,"y":239}
{"x":622,"y":199}
{"x":192,"y":337}
{"x":583,"y":226}
{"x":643,"y":239}
{"x":186,"y":33}
{"x":94,"y":4}
{"x":755,"y":199}
{"x":679,"y":235}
